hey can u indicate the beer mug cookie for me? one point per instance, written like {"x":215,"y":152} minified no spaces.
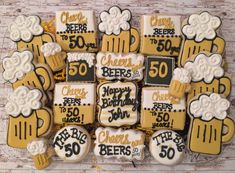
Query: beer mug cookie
{"x":117,"y":103}
{"x":19,"y":70}
{"x":41,"y":153}
{"x":127,"y":66}
{"x":28,"y":33}
{"x":167,"y":147}
{"x":72,"y":143}
{"x":208,"y":112}
{"x":159,"y":110}
{"x":119,"y":143}
{"x":28,"y":118}
{"x":80,"y":67}
{"x":76,"y":30}
{"x":54,"y":56}
{"x":74,"y":103}
{"x":207,"y":75}
{"x":160,"y":35}
{"x":118,"y":35}
{"x":200,"y":34}
{"x":180,"y":83}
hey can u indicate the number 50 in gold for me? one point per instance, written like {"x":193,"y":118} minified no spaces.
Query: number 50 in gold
{"x":77,"y":68}
{"x":158,"y":69}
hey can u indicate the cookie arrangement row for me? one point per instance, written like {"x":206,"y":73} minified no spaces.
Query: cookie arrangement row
{"x":64,"y":83}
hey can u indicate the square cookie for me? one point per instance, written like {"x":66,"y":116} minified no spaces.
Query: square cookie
{"x":74,"y":103}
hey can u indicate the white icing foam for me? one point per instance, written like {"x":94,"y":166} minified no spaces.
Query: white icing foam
{"x":38,"y":146}
{"x":24,"y":28}
{"x":182,"y":75}
{"x":115,"y":20}
{"x":88,"y":57}
{"x":201,"y":26}
{"x":205,"y":67}
{"x":16,"y":66}
{"x":208,"y":107}
{"x":50,"y":49}
{"x":23,"y":101}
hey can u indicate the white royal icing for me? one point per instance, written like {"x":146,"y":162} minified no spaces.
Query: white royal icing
{"x":132,"y":63}
{"x":181,"y":75}
{"x":16,"y":66}
{"x":88,"y":57}
{"x":129,"y":144}
{"x":115,"y":20}
{"x":87,"y":15}
{"x":38,"y":146}
{"x":201,"y":26}
{"x":49,"y":49}
{"x":152,"y":95}
{"x":118,"y":103}
{"x":209,"y":107}
{"x":24,"y":28}
{"x":167,"y":147}
{"x":23,"y":101}
{"x":148,"y":28}
{"x":72,"y":143}
{"x":205,"y":67}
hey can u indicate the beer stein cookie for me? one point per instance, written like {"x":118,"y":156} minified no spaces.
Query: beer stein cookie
{"x":54,"y":56}
{"x":19,"y":70}
{"x":72,"y":143}
{"x":180,"y":83}
{"x":119,"y":143}
{"x":207,"y":75}
{"x":41,"y":153}
{"x":28,"y":118}
{"x":200,"y":34}
{"x":118,"y":35}
{"x":210,"y":126}
{"x":29,"y":34}
{"x":76,"y":30}
{"x":160,"y":35}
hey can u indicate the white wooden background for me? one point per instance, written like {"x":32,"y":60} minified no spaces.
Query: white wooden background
{"x":12,"y":160}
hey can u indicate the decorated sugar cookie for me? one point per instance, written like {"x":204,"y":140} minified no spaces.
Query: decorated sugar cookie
{"x":80,"y":67}
{"x":28,"y":118}
{"x":72,"y":143}
{"x":41,"y":153}
{"x":28,"y":33}
{"x":160,"y":35}
{"x":19,"y":70}
{"x":159,"y":110}
{"x":167,"y":147}
{"x":180,"y":83}
{"x":76,"y":30}
{"x":207,"y":75}
{"x":119,"y":66}
{"x":117,"y":103}
{"x":119,"y":143}
{"x":200,"y":34}
{"x":54,"y":56}
{"x":74,"y":103}
{"x":210,"y":126}
{"x":118,"y":35}
{"x":159,"y":70}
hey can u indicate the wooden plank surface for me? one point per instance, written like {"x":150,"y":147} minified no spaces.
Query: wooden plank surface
{"x":18,"y":161}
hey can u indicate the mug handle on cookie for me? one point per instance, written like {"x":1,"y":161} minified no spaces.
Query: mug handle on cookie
{"x":226,"y":83}
{"x":43,"y":72}
{"x":135,"y":44}
{"x":229,"y":123}
{"x":45,"y":116}
{"x":220,"y":44}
